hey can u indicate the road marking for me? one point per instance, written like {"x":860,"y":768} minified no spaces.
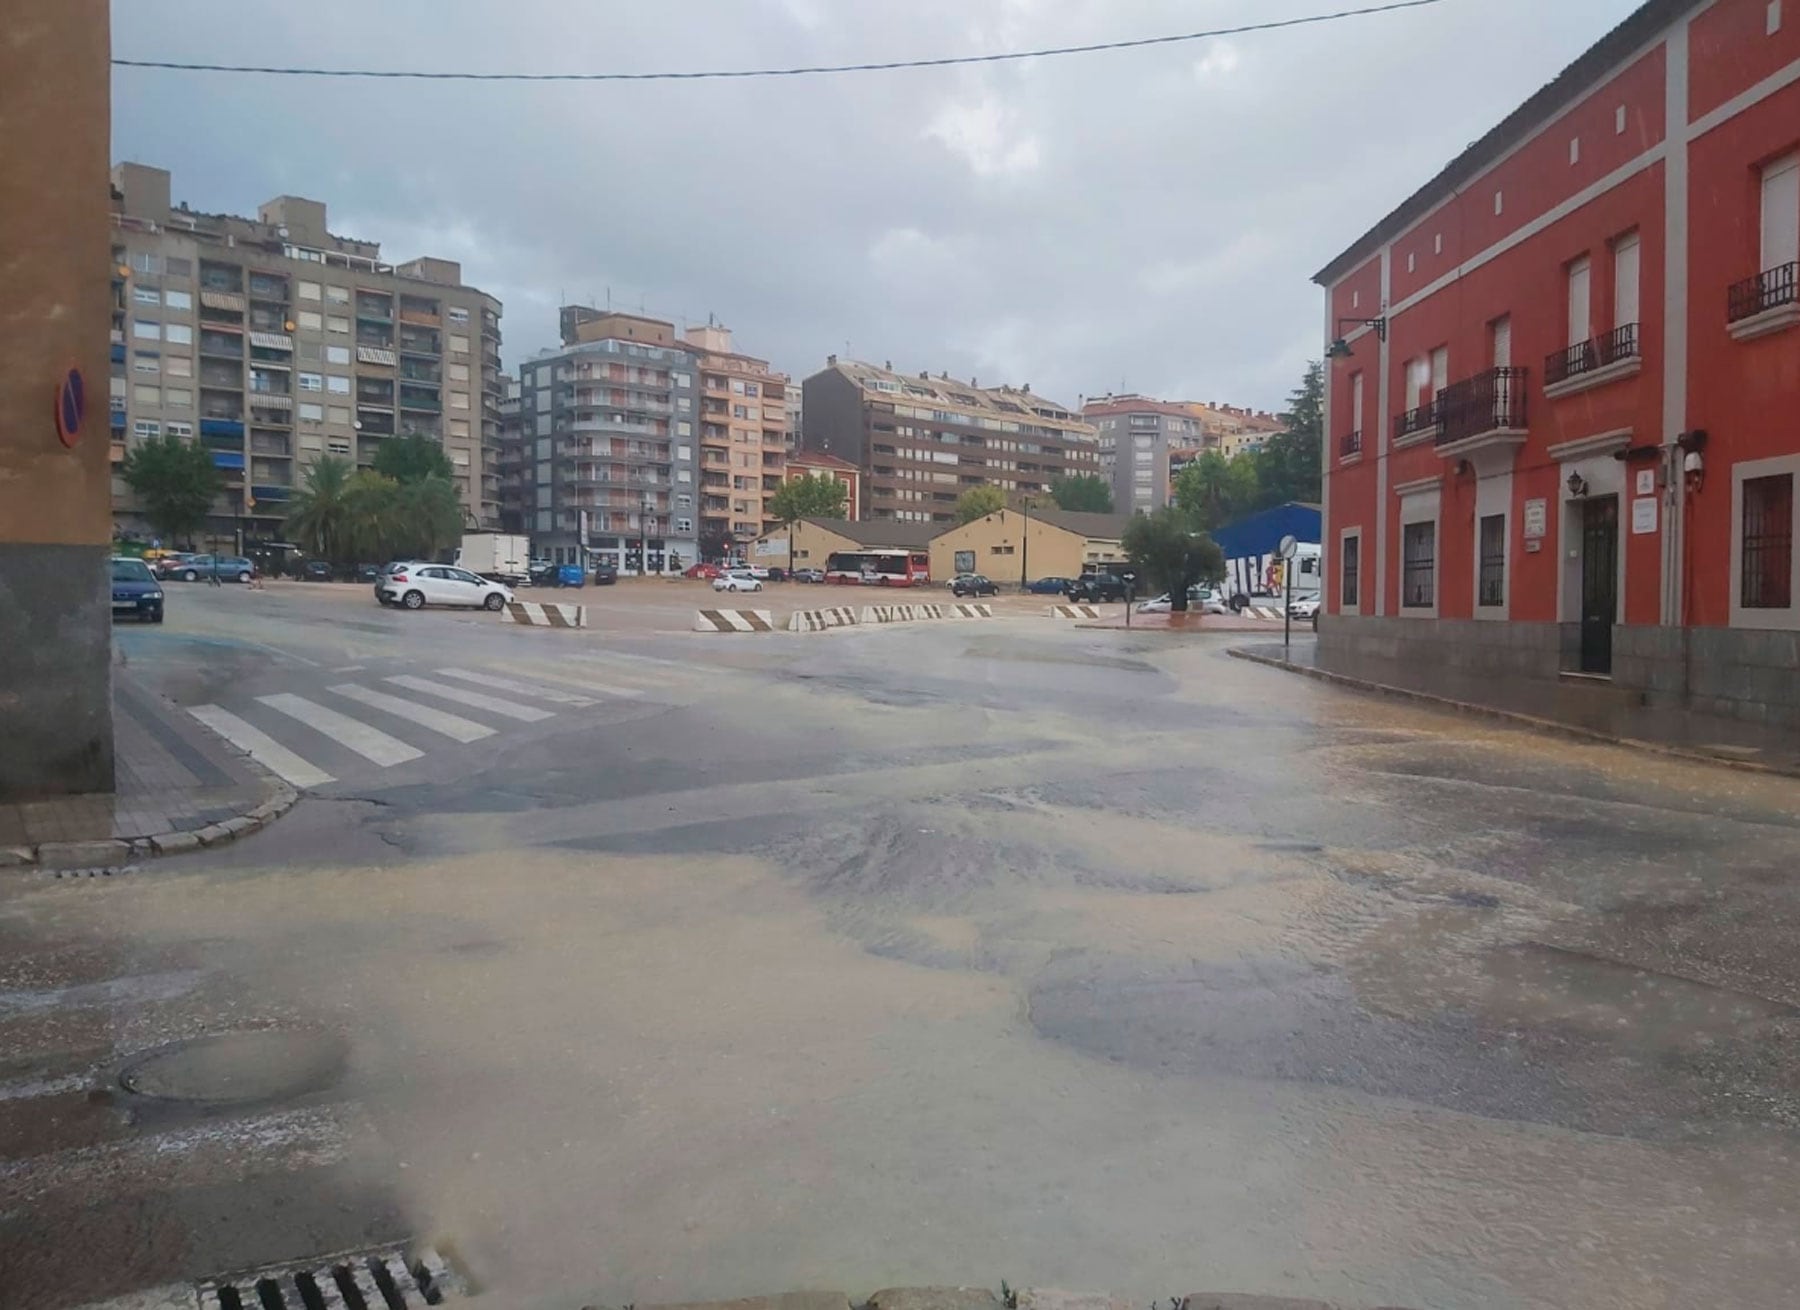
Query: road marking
{"x":370,"y":743}
{"x":591,"y":684}
{"x":450,"y":725}
{"x":261,"y":747}
{"x":351,"y":668}
{"x":473,"y":699}
{"x":551,"y":694}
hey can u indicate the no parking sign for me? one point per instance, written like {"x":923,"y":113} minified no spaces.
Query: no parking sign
{"x":71,"y":407}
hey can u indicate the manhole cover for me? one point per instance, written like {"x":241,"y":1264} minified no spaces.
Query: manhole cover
{"x":367,"y":1280}
{"x":230,"y":1067}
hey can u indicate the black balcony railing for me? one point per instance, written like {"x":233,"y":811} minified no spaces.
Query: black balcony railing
{"x":1484,"y":403}
{"x":1620,"y":343}
{"x":1350,"y":444}
{"x":1754,"y":295}
{"x":1421,"y":419}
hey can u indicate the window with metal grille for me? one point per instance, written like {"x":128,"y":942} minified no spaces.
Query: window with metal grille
{"x":1491,"y":579}
{"x":1768,"y":545}
{"x":1418,"y":565}
{"x":1352,"y":570}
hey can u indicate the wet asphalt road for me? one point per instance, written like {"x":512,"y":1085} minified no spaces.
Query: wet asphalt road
{"x":936,"y":955}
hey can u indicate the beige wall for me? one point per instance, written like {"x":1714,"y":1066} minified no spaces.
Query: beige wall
{"x":1003,"y":546}
{"x":812,"y":546}
{"x":54,"y":111}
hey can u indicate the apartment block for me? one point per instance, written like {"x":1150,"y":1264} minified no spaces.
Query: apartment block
{"x":1561,"y":448}
{"x":274,"y":342}
{"x":1234,"y":430}
{"x":743,"y":437}
{"x":921,"y":441}
{"x":1141,"y":442}
{"x":819,"y":464}
{"x":609,"y":438}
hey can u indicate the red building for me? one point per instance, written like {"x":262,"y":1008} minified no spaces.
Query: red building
{"x":823,"y":464}
{"x":1563,"y":394}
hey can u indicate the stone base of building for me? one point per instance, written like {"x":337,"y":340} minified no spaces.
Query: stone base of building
{"x":1717,"y":686}
{"x":56,"y":733}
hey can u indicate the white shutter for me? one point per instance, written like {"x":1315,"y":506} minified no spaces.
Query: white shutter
{"x":1356,"y":402}
{"x":1781,"y":213}
{"x":1625,"y":281}
{"x":1440,"y":369}
{"x":1417,"y":370}
{"x":1503,"y":342}
{"x":1581,"y":319}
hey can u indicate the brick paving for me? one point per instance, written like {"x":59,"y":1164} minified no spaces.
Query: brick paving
{"x":172,"y":776}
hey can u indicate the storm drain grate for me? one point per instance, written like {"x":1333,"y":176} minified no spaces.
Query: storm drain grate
{"x":367,"y":1280}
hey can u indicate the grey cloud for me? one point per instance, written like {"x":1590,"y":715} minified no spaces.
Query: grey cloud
{"x":1148,"y":219}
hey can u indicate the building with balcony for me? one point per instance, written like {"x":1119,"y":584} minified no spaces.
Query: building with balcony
{"x":275,"y":342}
{"x":818,"y":464}
{"x":921,"y":441}
{"x":743,"y":438}
{"x":1142,"y":443}
{"x":1234,"y":430}
{"x":608,"y":445}
{"x":1561,"y":459}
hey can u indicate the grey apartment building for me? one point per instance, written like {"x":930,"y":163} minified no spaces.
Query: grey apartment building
{"x":1143,"y":442}
{"x":921,"y":441}
{"x":273,"y":342}
{"x":607,"y":429}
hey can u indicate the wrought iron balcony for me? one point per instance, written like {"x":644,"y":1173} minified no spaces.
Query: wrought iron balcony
{"x":1350,"y":444}
{"x":1765,"y":303}
{"x":1616,"y":347}
{"x":1422,"y":419}
{"x":1489,"y":402}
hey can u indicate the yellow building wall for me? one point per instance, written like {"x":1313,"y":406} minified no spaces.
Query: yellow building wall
{"x":1009,"y":547}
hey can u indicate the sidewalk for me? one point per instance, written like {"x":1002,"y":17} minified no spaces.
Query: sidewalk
{"x":1193,"y":622}
{"x":179,"y":787}
{"x":1666,"y":731}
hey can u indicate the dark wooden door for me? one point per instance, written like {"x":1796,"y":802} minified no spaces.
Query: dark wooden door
{"x":1599,"y":581}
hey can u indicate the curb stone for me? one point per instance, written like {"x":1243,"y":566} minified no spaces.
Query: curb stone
{"x":934,"y":1298}
{"x":1248,"y":1301}
{"x":1056,"y":1298}
{"x":780,"y":1301}
{"x":116,"y":852}
{"x":1552,"y":726}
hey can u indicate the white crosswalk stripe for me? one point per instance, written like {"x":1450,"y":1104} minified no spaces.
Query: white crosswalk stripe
{"x":473,"y":699}
{"x":555,"y":695}
{"x":371,"y":743}
{"x":450,"y":725}
{"x":261,"y":747}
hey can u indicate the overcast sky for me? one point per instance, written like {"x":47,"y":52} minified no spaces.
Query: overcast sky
{"x":1146,"y":219}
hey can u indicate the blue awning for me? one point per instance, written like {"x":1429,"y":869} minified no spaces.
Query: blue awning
{"x":118,"y":420}
{"x":269,"y":492}
{"x":228,"y":459}
{"x":221,"y":427}
{"x":118,"y":352}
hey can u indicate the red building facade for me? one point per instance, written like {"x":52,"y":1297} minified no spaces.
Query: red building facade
{"x":1563,"y":397}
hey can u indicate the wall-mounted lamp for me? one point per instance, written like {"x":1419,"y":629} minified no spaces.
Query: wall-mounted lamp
{"x":1340,"y":349}
{"x":1578,"y":486}
{"x":1693,"y":463}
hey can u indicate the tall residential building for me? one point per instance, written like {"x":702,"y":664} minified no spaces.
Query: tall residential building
{"x":1139,"y":439}
{"x":510,"y":461}
{"x":1562,"y":462}
{"x":743,"y":437}
{"x":608,"y":429}
{"x":273,"y":342}
{"x":922,"y":441}
{"x":1233,"y":429}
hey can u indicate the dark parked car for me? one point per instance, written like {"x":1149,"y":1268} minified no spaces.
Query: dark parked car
{"x":368,"y":573}
{"x":1048,"y":586}
{"x":230,"y":568}
{"x":973,"y":584}
{"x":605,"y":574}
{"x":316,"y":570}
{"x":135,"y":590}
{"x":778,"y":575}
{"x":1091,"y":588}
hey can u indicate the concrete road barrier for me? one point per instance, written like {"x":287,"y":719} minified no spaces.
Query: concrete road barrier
{"x":536,"y":614}
{"x":734,"y":621}
{"x":1074,"y":611}
{"x":901,"y":613}
{"x":961,"y":611}
{"x":819,"y":620}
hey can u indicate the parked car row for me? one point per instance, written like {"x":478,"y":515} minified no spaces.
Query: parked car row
{"x":187,"y":567}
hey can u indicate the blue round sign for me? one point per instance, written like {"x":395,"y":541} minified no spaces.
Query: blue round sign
{"x":71,"y":407}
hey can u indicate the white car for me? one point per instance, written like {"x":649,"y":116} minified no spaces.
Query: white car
{"x":1305,"y":607}
{"x":1201,"y":600}
{"x":738,"y":580}
{"x":417,"y":584}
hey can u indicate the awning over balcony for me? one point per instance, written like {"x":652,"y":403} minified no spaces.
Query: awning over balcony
{"x":228,"y":459}
{"x":221,"y":427}
{"x":272,"y":341}
{"x":270,"y":400}
{"x":222,"y":300}
{"x":375,"y":355}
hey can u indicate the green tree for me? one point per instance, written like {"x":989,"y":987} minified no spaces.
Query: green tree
{"x":1289,"y":466}
{"x":979,"y":502}
{"x":412,"y":459}
{"x":1214,"y":491}
{"x":177,"y":482}
{"x":320,"y":514}
{"x":431,"y":517}
{"x":1171,"y":552}
{"x":1087,"y":492}
{"x":809,"y":497}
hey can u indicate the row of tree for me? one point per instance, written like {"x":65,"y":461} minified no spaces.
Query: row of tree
{"x":405,"y":506}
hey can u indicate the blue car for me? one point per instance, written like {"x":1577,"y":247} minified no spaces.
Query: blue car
{"x":135,"y":590}
{"x":1048,"y":586}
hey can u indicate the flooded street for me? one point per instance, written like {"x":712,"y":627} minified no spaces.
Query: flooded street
{"x":947,"y":956}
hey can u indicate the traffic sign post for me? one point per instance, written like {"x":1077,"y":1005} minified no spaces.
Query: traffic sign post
{"x":1289,"y":547}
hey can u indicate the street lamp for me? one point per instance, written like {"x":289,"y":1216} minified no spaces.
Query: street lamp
{"x":1340,"y":349}
{"x":644,"y":527}
{"x":1025,"y":543}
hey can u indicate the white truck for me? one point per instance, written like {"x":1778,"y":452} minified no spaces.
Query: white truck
{"x":496,"y":556}
{"x":1263,"y":578}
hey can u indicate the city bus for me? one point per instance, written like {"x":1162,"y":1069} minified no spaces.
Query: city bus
{"x":879,"y":568}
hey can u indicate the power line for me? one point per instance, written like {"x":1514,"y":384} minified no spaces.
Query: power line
{"x":806,"y":71}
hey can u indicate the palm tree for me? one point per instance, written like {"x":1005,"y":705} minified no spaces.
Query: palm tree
{"x":320,"y":515}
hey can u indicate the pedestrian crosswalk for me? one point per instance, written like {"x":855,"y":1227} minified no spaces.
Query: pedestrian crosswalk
{"x":312,"y":738}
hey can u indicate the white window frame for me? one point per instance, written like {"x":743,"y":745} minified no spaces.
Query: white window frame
{"x":1362,"y":573}
{"x":1784,"y":620}
{"x":1420,"y":502}
{"x":1493,"y":496}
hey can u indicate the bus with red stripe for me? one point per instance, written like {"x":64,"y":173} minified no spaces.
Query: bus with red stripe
{"x":879,"y":568}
